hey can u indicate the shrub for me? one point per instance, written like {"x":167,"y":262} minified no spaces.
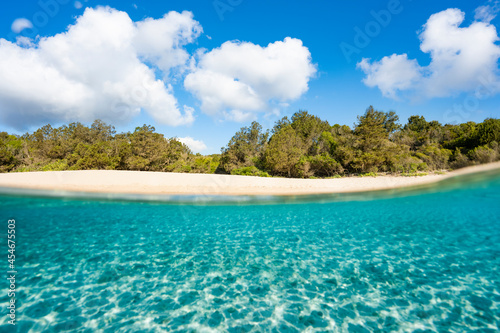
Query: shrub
{"x":436,"y":158}
{"x":249,"y":171}
{"x":324,"y":165}
{"x":414,"y":174}
{"x":408,"y":164}
{"x":368,"y":174}
{"x":58,"y":165}
{"x":460,"y":160}
{"x":483,"y":154}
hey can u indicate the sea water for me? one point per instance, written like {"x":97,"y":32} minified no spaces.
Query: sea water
{"x":418,"y":260}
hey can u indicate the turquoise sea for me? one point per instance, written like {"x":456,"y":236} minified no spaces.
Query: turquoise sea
{"x":425,"y":259}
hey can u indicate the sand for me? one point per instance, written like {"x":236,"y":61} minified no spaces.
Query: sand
{"x":161,"y":183}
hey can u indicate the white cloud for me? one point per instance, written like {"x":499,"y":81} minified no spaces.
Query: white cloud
{"x":78,"y":5}
{"x":239,"y":116}
{"x":161,"y":41}
{"x":488,"y":12}
{"x":391,"y":74}
{"x":461,"y":59}
{"x":20,"y":24}
{"x":240,"y":78}
{"x":103,"y":67}
{"x":109,"y":67}
{"x":24,"y":41}
{"x":197,"y":146}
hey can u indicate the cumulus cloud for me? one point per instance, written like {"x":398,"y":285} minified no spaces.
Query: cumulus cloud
{"x":391,"y":74}
{"x":20,"y":24}
{"x":241,"y":78}
{"x":462,"y":59}
{"x":161,"y":41}
{"x":109,"y":67}
{"x":197,"y":146}
{"x":104,"y":66}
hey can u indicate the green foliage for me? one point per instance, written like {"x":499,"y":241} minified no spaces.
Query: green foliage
{"x":204,"y":164}
{"x":417,"y":124}
{"x":463,"y":136}
{"x":249,"y":171}
{"x":375,"y":126}
{"x":59,"y":165}
{"x":307,"y":126}
{"x":414,"y":174}
{"x":244,"y":148}
{"x":302,"y":146}
{"x":488,"y":131}
{"x":333,"y":177}
{"x":434,"y":156}
{"x":483,"y":154}
{"x":283,"y":152}
{"x":95,"y":156}
{"x":10,"y":146}
{"x":406,"y":163}
{"x":78,"y":147}
{"x":368,"y":174}
{"x":459,"y":160}
{"x":321,"y":165}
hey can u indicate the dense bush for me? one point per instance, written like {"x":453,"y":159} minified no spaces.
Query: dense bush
{"x":307,"y":146}
{"x":304,"y":146}
{"x":249,"y":171}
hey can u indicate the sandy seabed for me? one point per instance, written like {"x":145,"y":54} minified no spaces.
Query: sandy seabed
{"x":141,"y":182}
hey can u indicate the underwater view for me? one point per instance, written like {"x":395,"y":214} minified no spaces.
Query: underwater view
{"x":413,"y":260}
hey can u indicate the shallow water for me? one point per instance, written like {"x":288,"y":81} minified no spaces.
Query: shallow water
{"x":424,"y":259}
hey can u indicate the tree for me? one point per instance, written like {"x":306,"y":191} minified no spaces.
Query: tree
{"x":322,"y":165}
{"x":279,"y":124}
{"x":284,"y":152}
{"x":488,"y":131}
{"x":100,"y":131}
{"x":245,"y":148}
{"x":150,"y":151}
{"x":97,"y":156}
{"x":417,"y":124}
{"x":303,"y":146}
{"x":374,"y":127}
{"x":10,"y":145}
{"x":434,"y":156}
{"x":309,"y":127}
{"x":372,"y":132}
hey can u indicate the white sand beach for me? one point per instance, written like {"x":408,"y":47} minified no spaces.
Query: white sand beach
{"x":157,"y":183}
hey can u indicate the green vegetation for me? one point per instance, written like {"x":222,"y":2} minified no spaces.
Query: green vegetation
{"x":78,"y":147}
{"x":307,"y":147}
{"x":304,"y":146}
{"x":368,"y":174}
{"x":249,"y":171}
{"x":414,"y":174}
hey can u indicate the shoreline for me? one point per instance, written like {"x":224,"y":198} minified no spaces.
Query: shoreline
{"x":163,"y":183}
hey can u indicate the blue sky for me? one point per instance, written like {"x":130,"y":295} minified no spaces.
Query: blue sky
{"x":234,"y":61}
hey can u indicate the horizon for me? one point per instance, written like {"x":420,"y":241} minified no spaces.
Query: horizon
{"x":202,"y":70}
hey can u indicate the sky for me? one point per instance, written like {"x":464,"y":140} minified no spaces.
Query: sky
{"x":199,"y":70}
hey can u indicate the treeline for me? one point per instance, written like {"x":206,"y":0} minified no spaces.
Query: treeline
{"x":78,"y":147}
{"x":304,"y":146}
